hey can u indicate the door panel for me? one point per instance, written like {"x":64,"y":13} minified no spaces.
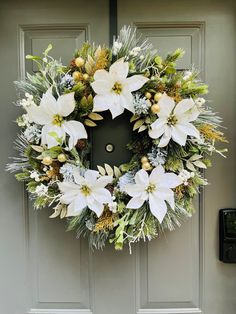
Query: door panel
{"x":47,"y":269}
{"x":167,"y":37}
{"x":59,"y":262}
{"x":180,"y":249}
{"x":181,"y":272}
{"x":34,"y":39}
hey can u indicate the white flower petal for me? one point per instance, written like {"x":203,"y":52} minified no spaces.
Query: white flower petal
{"x":135,"y":203}
{"x":126,"y":101}
{"x":191,"y":115}
{"x":53,"y":132}
{"x":101,"y":75}
{"x":157,"y":128}
{"x":102,"y":87}
{"x":142,"y":178}
{"x":78,"y":178}
{"x":156,"y":173}
{"x":134,"y":189}
{"x":115,"y":106}
{"x":183,"y":106}
{"x":101,"y":102}
{"x":144,"y":195}
{"x":165,"y":137}
{"x":102,"y":195}
{"x":157,"y":207}
{"x":166,"y":104}
{"x":135,"y":82}
{"x":178,"y":135}
{"x":171,"y":201}
{"x":189,"y":129}
{"x":65,"y":104}
{"x":96,"y":207}
{"x":164,"y":193}
{"x":169,"y":180}
{"x":91,"y":176}
{"x":69,"y":190}
{"x":39,"y":116}
{"x":44,"y":134}
{"x":69,"y":197}
{"x":51,"y":141}
{"x":71,"y":212}
{"x":66,"y":186}
{"x":103,"y":181}
{"x":76,"y":207}
{"x":48,"y":103}
{"x":119,"y":69}
{"x":75,"y":130}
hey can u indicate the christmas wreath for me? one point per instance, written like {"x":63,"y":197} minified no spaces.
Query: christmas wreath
{"x":174,"y":136}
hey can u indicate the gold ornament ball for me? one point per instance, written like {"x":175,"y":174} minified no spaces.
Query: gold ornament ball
{"x":50,"y":173}
{"x":157,"y":96}
{"x":85,"y":76}
{"x":144,"y":159}
{"x":155,"y":108}
{"x":148,"y":95}
{"x":47,"y":160}
{"x":61,"y":157}
{"x":77,"y":76}
{"x":79,"y":62}
{"x":146,"y":166}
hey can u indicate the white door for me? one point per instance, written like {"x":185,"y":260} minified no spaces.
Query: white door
{"x":47,"y":271}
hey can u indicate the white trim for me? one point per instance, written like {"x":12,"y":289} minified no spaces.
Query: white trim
{"x":171,"y":311}
{"x":59,"y":311}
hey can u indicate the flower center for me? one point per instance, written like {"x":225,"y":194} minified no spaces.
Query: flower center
{"x":85,"y":190}
{"x":57,"y":120}
{"x":172,"y":120}
{"x":151,"y":188}
{"x":117,"y":88}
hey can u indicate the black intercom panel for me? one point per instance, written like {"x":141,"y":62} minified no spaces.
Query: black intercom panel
{"x":227,"y":226}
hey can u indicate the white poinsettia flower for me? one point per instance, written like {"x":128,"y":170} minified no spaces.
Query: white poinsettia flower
{"x":174,"y":121}
{"x":87,"y":191}
{"x":51,"y":113}
{"x":114,"y":89}
{"x":154,"y":189}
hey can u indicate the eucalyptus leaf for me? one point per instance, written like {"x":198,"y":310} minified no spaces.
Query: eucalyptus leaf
{"x":55,"y":214}
{"x":109,"y":170}
{"x":117,"y":172}
{"x":101,"y":170}
{"x":89,"y":123}
{"x":199,"y":164}
{"x":138,"y":124}
{"x":95,"y":116}
{"x":37,"y":148}
{"x":190,"y":166}
{"x":142,"y":128}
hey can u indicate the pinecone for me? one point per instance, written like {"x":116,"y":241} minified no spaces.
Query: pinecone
{"x":110,"y":188}
{"x":81,"y":144}
{"x":73,"y":65}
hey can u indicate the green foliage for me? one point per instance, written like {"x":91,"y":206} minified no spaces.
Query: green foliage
{"x":41,"y":202}
{"x":53,"y":152}
{"x":22,"y":176}
{"x":31,"y":186}
{"x":174,"y":56}
{"x":173,"y":164}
